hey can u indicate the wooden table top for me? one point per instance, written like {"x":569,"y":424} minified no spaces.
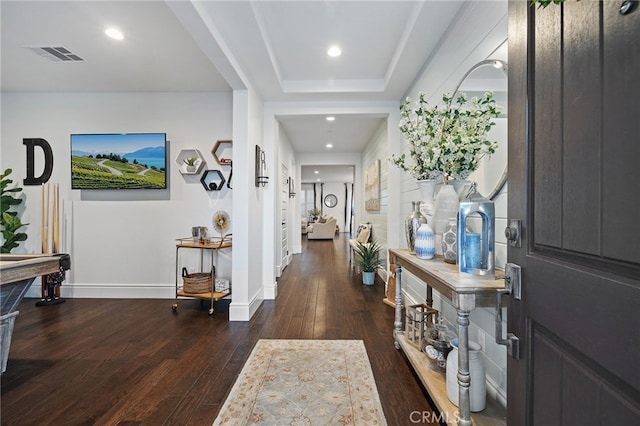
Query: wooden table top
{"x":212,"y":243}
{"x":445,"y":277}
{"x":18,"y":267}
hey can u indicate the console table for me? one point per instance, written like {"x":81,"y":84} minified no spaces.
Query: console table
{"x":466,"y":292}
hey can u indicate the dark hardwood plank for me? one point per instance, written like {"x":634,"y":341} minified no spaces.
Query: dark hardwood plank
{"x":136,"y":362}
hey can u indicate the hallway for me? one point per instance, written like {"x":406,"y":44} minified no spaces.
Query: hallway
{"x":135,"y":362}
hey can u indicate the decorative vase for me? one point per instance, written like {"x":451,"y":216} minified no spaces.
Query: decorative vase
{"x":447,"y":204}
{"x":427,"y":190}
{"x":462,"y":187}
{"x":449,"y":243}
{"x":478,"y":385}
{"x":425,"y":242}
{"x":368,"y":278}
{"x":412,"y":224}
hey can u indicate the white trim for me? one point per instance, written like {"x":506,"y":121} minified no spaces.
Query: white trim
{"x":496,"y":393}
{"x":271,"y":291}
{"x":110,"y":291}
{"x":244,"y":311}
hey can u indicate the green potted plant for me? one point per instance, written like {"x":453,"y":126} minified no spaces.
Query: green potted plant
{"x":10,"y":220}
{"x":191,"y":163}
{"x":367,"y":259}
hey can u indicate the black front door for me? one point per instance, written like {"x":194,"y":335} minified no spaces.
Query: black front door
{"x":574,"y":181}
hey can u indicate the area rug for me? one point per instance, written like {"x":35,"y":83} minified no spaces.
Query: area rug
{"x":304,"y":382}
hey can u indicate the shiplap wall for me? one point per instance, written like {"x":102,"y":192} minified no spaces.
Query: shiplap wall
{"x":376,"y":150}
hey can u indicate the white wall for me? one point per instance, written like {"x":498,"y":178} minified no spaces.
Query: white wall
{"x":286,"y":158}
{"x":336,"y":188}
{"x":253,"y":209}
{"x":376,"y":150}
{"x":122,"y":243}
{"x":479,"y":32}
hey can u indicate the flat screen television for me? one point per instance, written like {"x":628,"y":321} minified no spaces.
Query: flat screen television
{"x":119,"y":161}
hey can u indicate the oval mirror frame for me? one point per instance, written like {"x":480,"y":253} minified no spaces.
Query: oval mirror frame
{"x":490,"y":75}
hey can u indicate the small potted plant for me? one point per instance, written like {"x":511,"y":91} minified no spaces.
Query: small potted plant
{"x":314,"y":213}
{"x":367,"y":259}
{"x":191,"y":163}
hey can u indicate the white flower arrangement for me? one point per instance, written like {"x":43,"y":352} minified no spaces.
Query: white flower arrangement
{"x":446,"y":141}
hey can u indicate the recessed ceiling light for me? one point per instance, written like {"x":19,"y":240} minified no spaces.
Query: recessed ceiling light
{"x":331,"y":118}
{"x":114,"y":33}
{"x":316,"y":172}
{"x":329,"y":145}
{"x":334,"y":51}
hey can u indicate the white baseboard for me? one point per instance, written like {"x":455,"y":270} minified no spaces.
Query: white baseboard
{"x":111,"y":291}
{"x":271,"y":291}
{"x":237,"y":311}
{"x":496,"y":393}
{"x":243,"y":311}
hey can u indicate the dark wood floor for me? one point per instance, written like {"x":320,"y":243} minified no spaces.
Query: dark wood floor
{"x":135,"y":362}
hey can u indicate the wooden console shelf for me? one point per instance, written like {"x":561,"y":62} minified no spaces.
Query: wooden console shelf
{"x":435,"y":383}
{"x":466,"y":292}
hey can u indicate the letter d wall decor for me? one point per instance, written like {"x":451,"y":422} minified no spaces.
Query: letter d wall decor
{"x":48,"y":161}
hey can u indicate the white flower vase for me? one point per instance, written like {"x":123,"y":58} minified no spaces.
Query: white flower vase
{"x":427,"y":190}
{"x":425,"y":242}
{"x":447,"y":205}
{"x":462,"y":187}
{"x":478,"y":385}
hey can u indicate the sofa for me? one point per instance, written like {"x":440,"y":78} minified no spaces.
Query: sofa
{"x":323,"y":229}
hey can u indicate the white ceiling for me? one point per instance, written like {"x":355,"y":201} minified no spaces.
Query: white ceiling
{"x":342,"y":174}
{"x":276,"y":47}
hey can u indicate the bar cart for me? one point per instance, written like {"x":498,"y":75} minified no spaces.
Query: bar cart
{"x":217,"y":290}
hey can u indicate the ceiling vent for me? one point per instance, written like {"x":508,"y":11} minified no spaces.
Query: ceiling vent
{"x":56,"y":54}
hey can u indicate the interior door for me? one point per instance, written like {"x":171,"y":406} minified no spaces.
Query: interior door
{"x":284,"y":216}
{"x":574,"y":174}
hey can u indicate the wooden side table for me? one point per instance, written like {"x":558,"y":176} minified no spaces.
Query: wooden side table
{"x":206,"y":245}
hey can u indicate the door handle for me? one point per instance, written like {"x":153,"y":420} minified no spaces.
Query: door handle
{"x":512,"y":277}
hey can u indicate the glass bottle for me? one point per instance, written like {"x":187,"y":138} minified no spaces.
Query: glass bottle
{"x":412,"y":224}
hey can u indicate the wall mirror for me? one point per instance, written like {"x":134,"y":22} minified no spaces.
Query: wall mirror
{"x":490,"y":76}
{"x":330,"y":200}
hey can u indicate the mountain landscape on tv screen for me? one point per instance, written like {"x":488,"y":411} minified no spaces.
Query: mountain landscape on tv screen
{"x":141,"y":169}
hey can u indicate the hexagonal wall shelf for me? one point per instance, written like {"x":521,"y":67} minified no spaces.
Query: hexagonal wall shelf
{"x":212,"y":180}
{"x":184,"y":168}
{"x":222,"y":152}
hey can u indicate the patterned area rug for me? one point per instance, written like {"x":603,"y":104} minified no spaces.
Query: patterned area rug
{"x":304,"y":382}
